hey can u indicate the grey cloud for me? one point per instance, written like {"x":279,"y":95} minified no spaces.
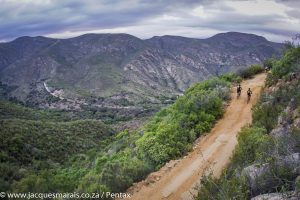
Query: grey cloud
{"x":28,"y":19}
{"x":229,"y":20}
{"x":295,"y":13}
{"x":56,"y":16}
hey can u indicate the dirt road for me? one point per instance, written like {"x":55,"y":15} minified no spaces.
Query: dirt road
{"x":177,"y":179}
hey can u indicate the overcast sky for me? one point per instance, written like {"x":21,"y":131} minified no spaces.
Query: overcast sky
{"x":276,"y":20}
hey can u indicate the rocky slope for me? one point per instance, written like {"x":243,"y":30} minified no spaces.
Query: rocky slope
{"x":120,"y":71}
{"x":284,"y":168}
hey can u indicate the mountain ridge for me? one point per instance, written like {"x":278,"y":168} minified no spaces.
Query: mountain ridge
{"x":109,"y":70}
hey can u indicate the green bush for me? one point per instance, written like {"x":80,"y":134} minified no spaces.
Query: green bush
{"x":225,"y":187}
{"x":231,"y":77}
{"x":251,"y":71}
{"x":122,"y":170}
{"x":288,"y":64}
{"x":269,"y":63}
{"x":266,"y":115}
{"x":251,"y":140}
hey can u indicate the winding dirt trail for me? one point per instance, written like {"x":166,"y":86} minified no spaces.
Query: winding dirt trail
{"x":177,"y":179}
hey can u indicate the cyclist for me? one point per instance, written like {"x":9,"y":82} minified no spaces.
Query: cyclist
{"x":238,"y":90}
{"x":249,"y":93}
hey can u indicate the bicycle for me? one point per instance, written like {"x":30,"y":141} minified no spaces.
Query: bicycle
{"x":239,"y":91}
{"x":238,"y":94}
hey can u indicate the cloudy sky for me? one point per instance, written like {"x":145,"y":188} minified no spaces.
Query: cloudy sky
{"x":277,"y":20}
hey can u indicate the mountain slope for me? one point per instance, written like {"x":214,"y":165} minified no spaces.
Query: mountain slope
{"x":120,"y":70}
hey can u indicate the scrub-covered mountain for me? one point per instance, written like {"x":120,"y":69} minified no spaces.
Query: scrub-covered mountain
{"x":120,"y":71}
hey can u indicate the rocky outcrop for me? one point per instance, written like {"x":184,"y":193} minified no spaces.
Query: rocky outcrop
{"x":280,"y":131}
{"x":261,"y":177}
{"x":256,"y":177}
{"x":264,"y":177}
{"x":278,"y":196}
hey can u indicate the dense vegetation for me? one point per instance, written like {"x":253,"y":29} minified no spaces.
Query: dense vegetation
{"x":47,"y":151}
{"x":32,"y":140}
{"x":12,"y":110}
{"x":171,"y":132}
{"x":251,"y":71}
{"x":256,"y":146}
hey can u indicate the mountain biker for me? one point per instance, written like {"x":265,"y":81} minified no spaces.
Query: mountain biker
{"x":266,"y":69}
{"x":238,"y":90}
{"x":249,"y":93}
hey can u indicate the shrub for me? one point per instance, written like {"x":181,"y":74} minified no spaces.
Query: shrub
{"x":266,"y":116}
{"x":119,"y":171}
{"x":288,"y":64}
{"x":231,"y":77}
{"x":225,"y":187}
{"x":268,"y":64}
{"x":250,"y":141}
{"x":251,"y":71}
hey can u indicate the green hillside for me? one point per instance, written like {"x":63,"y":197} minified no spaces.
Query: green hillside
{"x":45,"y":151}
{"x":32,"y":140}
